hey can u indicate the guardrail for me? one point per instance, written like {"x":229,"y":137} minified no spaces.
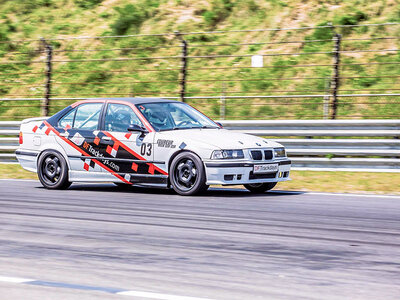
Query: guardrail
{"x":325,"y":145}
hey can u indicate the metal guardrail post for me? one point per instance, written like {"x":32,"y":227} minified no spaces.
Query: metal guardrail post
{"x":183,"y":72}
{"x":49,"y":56}
{"x":336,"y":76}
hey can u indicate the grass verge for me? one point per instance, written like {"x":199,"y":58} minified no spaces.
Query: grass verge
{"x":337,"y":182}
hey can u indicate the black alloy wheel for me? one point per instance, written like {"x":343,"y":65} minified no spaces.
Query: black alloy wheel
{"x":260,"y":187}
{"x":53,"y":170}
{"x":187,"y":174}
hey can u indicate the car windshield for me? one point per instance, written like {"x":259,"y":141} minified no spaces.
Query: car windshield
{"x":174,"y":116}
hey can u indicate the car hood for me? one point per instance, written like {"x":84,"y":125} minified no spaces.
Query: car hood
{"x":219,"y":138}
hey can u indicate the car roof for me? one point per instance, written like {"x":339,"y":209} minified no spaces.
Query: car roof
{"x":136,"y":100}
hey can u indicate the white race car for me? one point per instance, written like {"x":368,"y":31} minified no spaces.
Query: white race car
{"x":147,"y":141}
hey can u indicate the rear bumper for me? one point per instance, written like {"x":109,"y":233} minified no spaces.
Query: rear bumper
{"x":242,"y":173}
{"x":27,"y":159}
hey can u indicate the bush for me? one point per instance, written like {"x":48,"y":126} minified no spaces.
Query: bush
{"x":352,"y":19}
{"x":220,"y":10}
{"x":129,"y":15}
{"x":133,"y":15}
{"x":321,"y":33}
{"x":87,"y":3}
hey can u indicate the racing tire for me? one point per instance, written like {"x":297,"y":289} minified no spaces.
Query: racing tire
{"x":53,"y":170}
{"x":187,"y":174}
{"x":259,"y":188}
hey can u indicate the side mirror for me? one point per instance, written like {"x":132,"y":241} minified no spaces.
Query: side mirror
{"x":219,"y":124}
{"x":134,"y":127}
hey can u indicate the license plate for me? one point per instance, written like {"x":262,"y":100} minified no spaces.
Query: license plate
{"x":266,"y":168}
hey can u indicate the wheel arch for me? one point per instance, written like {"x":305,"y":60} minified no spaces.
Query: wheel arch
{"x":175,"y":154}
{"x":62,"y":153}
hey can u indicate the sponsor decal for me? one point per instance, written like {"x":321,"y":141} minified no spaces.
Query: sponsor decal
{"x":115,"y":156}
{"x":165,"y":143}
{"x":78,"y":139}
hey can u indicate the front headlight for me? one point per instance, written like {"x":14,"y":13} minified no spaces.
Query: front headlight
{"x":227,"y":154}
{"x":279,"y":152}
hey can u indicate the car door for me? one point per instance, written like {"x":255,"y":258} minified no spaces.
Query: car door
{"x":129,"y":153}
{"x":77,"y":131}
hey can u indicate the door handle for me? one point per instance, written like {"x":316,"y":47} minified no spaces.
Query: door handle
{"x":106,"y":140}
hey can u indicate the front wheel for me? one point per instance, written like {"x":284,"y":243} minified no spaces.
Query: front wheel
{"x":53,"y":170}
{"x":187,"y":174}
{"x":260,"y":187}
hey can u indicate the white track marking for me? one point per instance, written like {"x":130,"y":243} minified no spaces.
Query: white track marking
{"x":158,"y":296}
{"x":15,"y":279}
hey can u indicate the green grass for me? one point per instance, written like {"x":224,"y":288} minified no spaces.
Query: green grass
{"x":337,"y":182}
{"x":52,"y":18}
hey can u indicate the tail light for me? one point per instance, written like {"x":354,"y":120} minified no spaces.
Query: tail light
{"x":21,"y":140}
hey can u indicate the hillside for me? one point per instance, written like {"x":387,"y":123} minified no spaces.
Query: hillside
{"x":22,"y":20}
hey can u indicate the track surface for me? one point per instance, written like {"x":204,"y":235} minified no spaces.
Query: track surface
{"x":227,"y":244}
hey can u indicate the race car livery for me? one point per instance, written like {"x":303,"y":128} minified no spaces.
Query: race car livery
{"x":147,"y":141}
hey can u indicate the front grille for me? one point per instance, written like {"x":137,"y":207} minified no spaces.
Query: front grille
{"x":256,"y":154}
{"x":261,"y":176}
{"x":267,"y":154}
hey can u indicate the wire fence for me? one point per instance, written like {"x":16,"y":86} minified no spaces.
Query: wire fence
{"x":335,"y":72}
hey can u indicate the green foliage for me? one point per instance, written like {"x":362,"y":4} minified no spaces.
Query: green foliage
{"x":101,"y":76}
{"x":351,"y":19}
{"x":220,"y":10}
{"x":133,"y":16}
{"x":129,"y":16}
{"x":87,"y":3}
{"x":321,"y":33}
{"x":27,"y":6}
{"x":325,"y":34}
{"x":3,"y":33}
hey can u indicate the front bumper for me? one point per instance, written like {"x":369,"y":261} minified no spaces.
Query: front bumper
{"x":227,"y":173}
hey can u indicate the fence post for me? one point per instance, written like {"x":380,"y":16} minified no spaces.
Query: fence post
{"x":183,"y":72}
{"x":47,"y":94}
{"x":335,"y":78}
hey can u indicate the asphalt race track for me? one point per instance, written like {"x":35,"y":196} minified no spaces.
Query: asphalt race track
{"x":99,"y":242}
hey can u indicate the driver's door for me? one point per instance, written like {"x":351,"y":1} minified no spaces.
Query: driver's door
{"x":125,"y":152}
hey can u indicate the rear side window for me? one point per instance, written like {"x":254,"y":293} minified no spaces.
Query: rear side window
{"x":87,"y":116}
{"x":68,"y":119}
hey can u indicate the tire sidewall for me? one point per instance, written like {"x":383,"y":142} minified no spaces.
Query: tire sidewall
{"x":63,"y":181}
{"x":201,"y":177}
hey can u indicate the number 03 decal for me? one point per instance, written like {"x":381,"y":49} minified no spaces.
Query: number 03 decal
{"x":146,"y":148}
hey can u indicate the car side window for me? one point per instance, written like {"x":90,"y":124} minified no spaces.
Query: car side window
{"x":87,"y":116}
{"x":68,"y":119}
{"x":119,"y":117}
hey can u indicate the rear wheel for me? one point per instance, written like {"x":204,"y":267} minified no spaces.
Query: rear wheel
{"x":53,"y":170}
{"x":260,"y":187}
{"x":187,"y":174}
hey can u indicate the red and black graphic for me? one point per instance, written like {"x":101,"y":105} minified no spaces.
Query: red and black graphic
{"x":88,"y":163}
{"x":103,"y":149}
